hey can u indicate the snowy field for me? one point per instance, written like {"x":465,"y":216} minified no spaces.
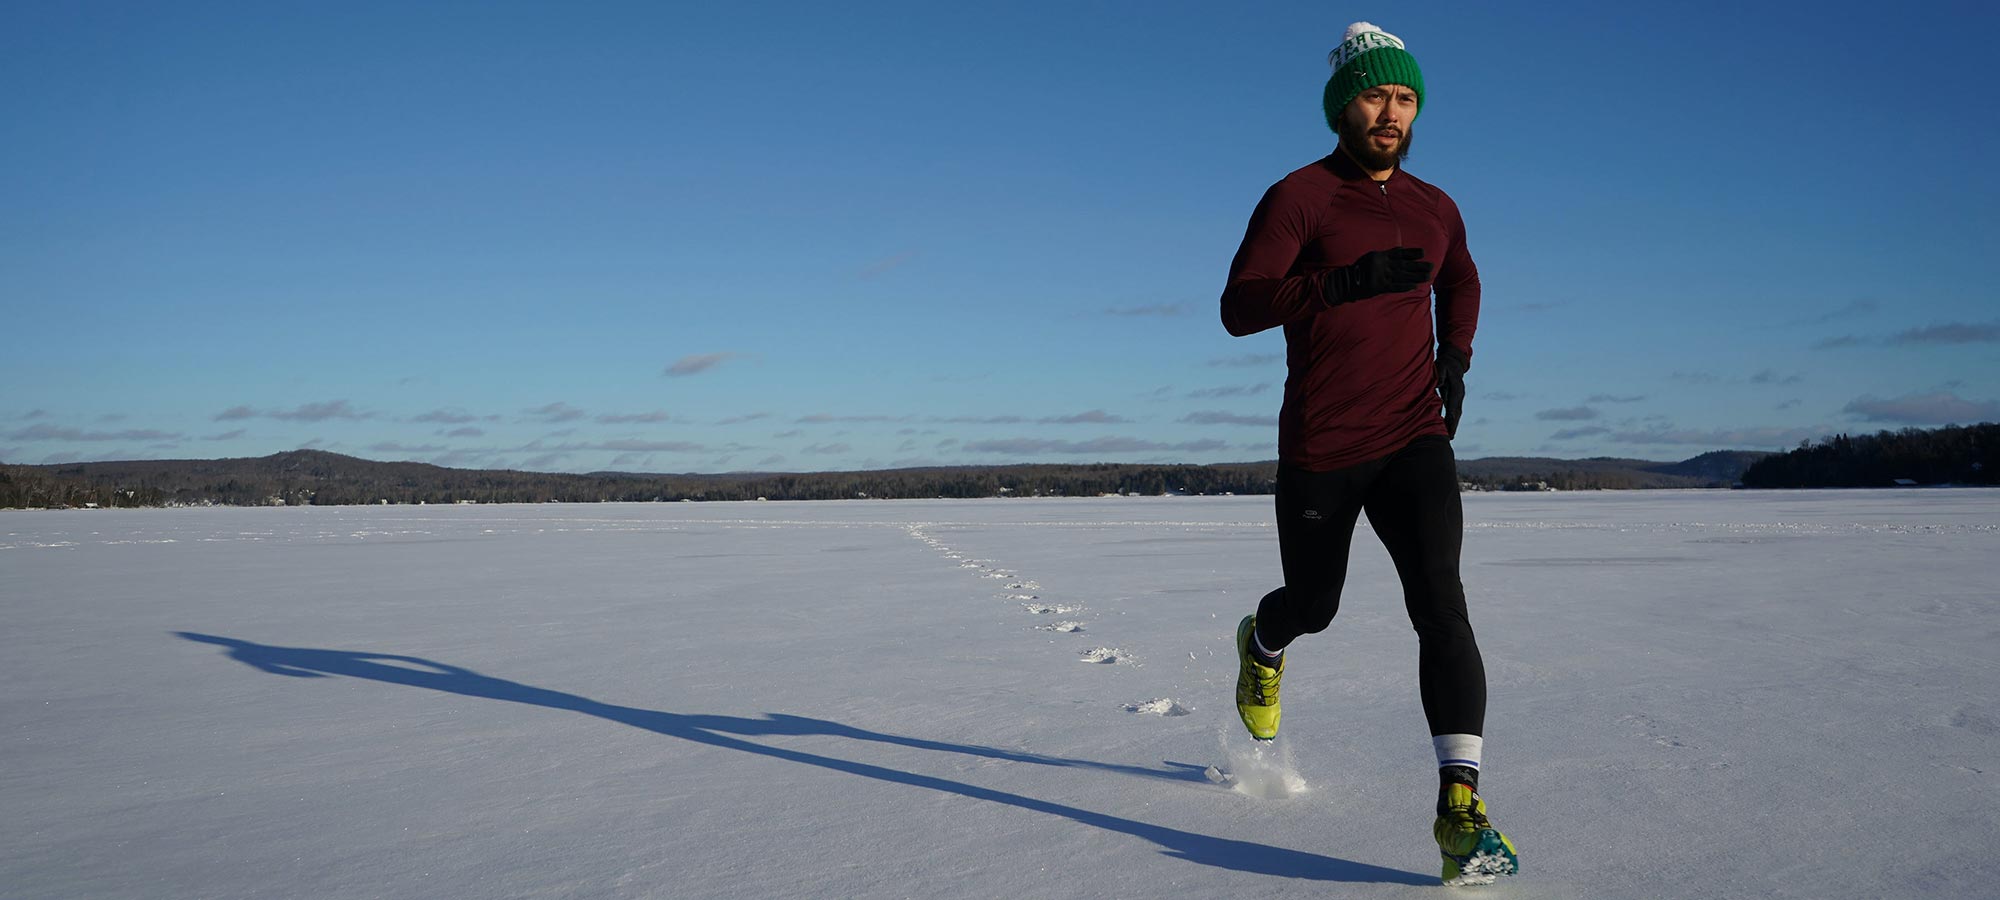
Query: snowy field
{"x":1694,"y":694}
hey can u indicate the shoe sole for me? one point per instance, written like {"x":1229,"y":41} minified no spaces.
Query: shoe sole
{"x":1489,"y":860}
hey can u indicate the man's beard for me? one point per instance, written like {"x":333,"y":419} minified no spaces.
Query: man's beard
{"x":1355,"y":139}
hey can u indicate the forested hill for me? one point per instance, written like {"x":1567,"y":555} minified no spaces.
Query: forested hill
{"x":1719,"y":468}
{"x":329,"y":479}
{"x":1954,"y":454}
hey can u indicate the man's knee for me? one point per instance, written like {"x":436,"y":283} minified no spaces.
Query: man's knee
{"x":1302,"y":611}
{"x":1317,"y":614}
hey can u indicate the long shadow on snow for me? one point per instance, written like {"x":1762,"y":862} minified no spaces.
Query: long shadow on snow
{"x":717,"y":731}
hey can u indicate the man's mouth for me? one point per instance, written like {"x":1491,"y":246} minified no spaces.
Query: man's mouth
{"x":1388,"y":134}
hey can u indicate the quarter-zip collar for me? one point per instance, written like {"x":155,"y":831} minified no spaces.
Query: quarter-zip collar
{"x":1350,"y":173}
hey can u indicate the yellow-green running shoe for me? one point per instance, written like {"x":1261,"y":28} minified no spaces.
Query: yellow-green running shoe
{"x":1256,"y":686}
{"x":1474,"y":851}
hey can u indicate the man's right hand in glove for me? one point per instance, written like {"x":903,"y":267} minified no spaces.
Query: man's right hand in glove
{"x":1396,"y":270}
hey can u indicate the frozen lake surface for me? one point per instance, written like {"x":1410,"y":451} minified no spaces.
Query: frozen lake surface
{"x":1739,"y":694}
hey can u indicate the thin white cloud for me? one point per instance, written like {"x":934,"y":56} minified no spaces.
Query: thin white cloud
{"x":696,"y":363}
{"x":1940,"y":408}
{"x":318,"y":412}
{"x":59,"y":433}
{"x":1720,"y":438}
{"x":825,"y":419}
{"x":883,"y":267}
{"x":982,"y":420}
{"x":1248,"y":360}
{"x":1847,"y":311}
{"x":1241,"y":390}
{"x":394,"y":447}
{"x":446,"y":417}
{"x":650,"y":418}
{"x":306,"y":412}
{"x":1163,"y":310}
{"x":1950,"y":333}
{"x":1944,"y":333}
{"x":1226,"y":418}
{"x":1043,"y":447}
{"x":1092,"y":417}
{"x":556,"y":412}
{"x":651,"y":447}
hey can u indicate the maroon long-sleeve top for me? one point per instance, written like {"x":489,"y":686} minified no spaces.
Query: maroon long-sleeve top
{"x":1361,"y":377}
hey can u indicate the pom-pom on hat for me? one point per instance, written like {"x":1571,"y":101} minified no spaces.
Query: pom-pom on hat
{"x":1368,"y":57}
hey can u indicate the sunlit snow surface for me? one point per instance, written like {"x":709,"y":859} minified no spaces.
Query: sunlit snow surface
{"x":1739,"y":694}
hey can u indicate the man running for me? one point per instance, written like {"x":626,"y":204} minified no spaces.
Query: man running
{"x":1345,"y":254}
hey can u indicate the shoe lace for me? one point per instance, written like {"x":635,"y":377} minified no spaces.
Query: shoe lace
{"x":1468,"y":817}
{"x":1267,"y":684}
{"x":1264,"y":680}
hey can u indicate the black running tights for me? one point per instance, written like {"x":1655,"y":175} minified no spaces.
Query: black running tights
{"x":1411,"y":497}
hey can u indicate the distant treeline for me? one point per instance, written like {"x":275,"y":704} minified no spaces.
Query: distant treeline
{"x":312,"y":477}
{"x":1967,"y":455}
{"x":1719,"y":468}
{"x":1954,"y":454}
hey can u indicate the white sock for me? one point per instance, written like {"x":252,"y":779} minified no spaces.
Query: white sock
{"x":1458,"y":749}
{"x":1259,"y":644}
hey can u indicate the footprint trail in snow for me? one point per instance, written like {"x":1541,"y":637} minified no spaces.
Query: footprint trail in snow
{"x":1253,"y":771}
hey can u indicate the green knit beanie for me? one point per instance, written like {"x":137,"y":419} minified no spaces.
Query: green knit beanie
{"x":1366,"y":58}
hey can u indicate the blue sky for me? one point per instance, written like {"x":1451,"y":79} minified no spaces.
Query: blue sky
{"x":690,"y":238}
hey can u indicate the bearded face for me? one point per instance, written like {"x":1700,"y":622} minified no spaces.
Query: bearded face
{"x":1375,"y":127}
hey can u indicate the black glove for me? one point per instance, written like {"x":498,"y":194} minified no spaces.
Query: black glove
{"x":1451,"y":366}
{"x":1393,"y":271}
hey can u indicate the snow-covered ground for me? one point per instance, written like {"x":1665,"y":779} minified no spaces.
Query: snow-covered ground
{"x":1693,"y":695}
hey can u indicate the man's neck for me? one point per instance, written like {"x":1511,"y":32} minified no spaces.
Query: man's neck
{"x":1373,"y":174}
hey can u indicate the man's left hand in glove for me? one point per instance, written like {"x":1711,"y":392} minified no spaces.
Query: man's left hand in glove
{"x":1451,"y":366}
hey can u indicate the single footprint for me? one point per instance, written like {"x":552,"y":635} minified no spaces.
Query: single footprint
{"x":1165,"y":706}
